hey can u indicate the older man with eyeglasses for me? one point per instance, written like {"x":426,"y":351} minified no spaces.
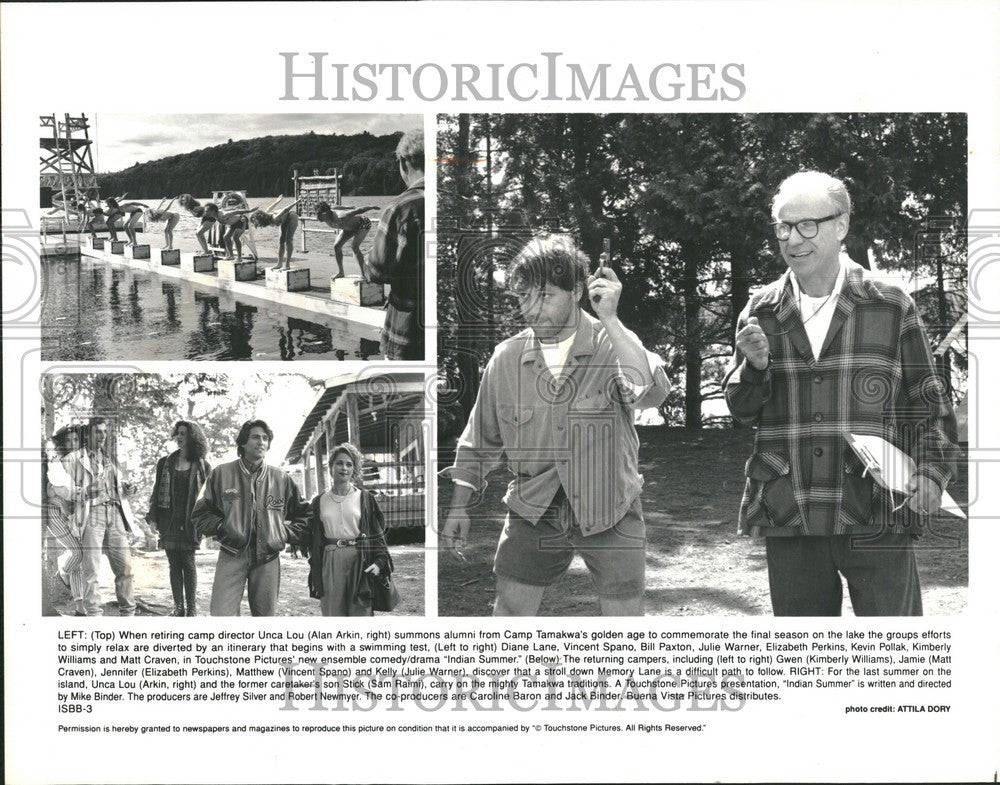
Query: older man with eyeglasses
{"x":823,"y":352}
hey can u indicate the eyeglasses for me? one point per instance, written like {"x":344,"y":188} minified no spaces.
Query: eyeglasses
{"x":807,"y":228}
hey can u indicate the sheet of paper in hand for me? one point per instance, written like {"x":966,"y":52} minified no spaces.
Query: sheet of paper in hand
{"x":891,"y":467}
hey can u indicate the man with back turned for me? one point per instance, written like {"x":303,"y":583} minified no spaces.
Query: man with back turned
{"x":397,"y":256}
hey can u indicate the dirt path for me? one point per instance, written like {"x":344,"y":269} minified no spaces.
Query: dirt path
{"x":152,"y":583}
{"x":695,"y":562}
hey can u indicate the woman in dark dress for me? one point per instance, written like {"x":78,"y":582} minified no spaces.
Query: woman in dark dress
{"x":179,"y":477}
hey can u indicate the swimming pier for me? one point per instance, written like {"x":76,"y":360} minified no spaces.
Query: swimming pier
{"x":351,"y":298}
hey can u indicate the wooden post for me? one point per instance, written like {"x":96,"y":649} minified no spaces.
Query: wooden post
{"x":305,"y":473}
{"x":320,"y":466}
{"x":62,"y":180}
{"x":298,"y":196}
{"x":353,"y":421}
{"x":329,"y":432}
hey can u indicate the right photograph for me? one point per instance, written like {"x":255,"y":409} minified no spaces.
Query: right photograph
{"x":702,"y":364}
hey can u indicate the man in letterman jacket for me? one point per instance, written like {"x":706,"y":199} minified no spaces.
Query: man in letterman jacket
{"x":254,"y":511}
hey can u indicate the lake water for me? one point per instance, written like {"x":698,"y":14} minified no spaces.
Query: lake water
{"x":94,"y":311}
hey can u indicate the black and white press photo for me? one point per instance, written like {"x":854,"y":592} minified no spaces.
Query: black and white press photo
{"x":702,"y":364}
{"x":231,"y":237}
{"x":211,"y":494}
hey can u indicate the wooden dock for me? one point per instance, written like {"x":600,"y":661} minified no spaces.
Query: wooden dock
{"x":203,"y":269}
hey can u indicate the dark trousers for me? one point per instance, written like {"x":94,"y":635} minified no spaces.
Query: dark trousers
{"x":183,"y":578}
{"x":881,"y":572}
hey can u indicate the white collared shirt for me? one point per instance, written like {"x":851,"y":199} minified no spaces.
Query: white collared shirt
{"x":817,"y":312}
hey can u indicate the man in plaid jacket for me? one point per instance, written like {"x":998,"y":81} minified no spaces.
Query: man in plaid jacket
{"x":823,"y":352}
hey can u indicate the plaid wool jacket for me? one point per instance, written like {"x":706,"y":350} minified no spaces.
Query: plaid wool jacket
{"x":876,"y":376}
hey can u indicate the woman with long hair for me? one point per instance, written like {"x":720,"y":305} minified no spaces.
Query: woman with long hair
{"x":179,"y":477}
{"x":346,"y":539}
{"x":353,"y":225}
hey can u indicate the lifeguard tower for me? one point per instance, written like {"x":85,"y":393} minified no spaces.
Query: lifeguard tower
{"x":67,"y":180}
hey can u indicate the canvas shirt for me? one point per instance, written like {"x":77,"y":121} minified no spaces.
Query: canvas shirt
{"x":875,"y":376}
{"x":577,"y":434}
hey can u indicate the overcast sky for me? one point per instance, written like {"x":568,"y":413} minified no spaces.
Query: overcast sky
{"x":124,"y":139}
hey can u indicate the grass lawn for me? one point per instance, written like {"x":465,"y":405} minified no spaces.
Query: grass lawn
{"x":695,"y":562}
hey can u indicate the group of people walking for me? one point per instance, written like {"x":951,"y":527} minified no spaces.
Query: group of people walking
{"x":253,"y":510}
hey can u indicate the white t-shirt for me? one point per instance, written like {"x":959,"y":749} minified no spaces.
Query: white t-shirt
{"x":817,"y":312}
{"x":555,"y":354}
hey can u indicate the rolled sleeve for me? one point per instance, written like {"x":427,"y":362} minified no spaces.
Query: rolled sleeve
{"x":653,"y":394}
{"x":641,"y":396}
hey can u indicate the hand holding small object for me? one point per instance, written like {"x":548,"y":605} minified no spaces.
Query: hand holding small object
{"x":752,"y":343}
{"x":924,"y":495}
{"x":604,"y":258}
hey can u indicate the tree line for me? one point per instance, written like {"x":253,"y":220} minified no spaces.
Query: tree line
{"x":685,"y":200}
{"x":264,"y":166}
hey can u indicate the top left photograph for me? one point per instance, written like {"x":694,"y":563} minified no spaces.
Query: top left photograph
{"x":232,"y":237}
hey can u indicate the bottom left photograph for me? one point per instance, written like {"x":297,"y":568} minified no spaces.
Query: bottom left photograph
{"x":233,"y":494}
